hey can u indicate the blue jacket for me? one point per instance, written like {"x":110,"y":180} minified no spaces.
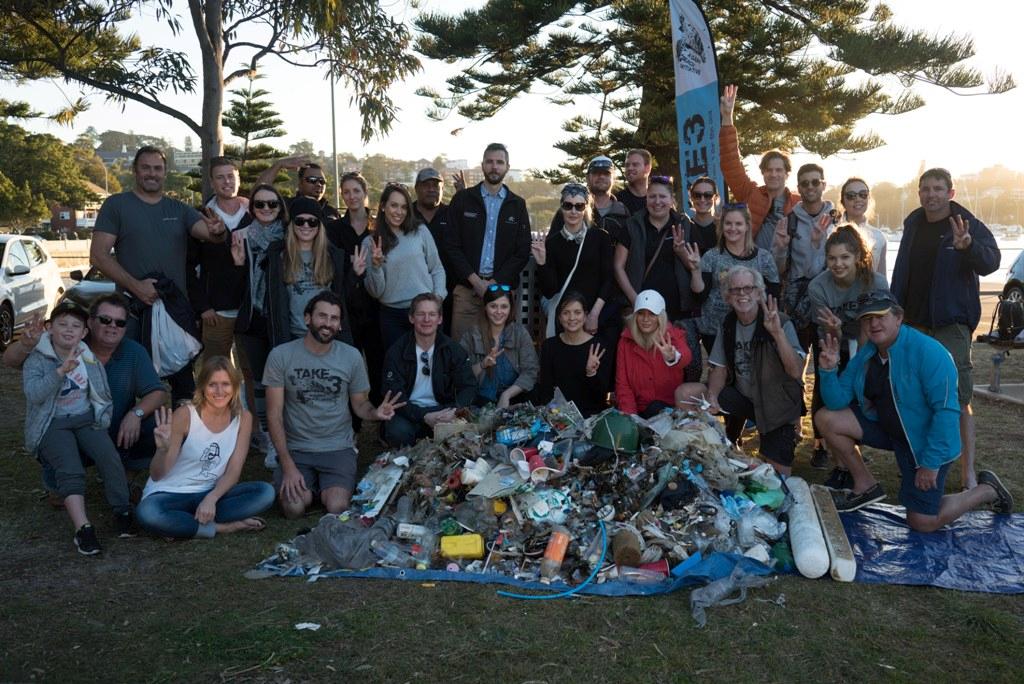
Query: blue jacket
{"x":923,"y":378}
{"x":954,"y":293}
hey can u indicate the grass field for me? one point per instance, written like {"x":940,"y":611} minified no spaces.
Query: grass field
{"x":152,"y":611}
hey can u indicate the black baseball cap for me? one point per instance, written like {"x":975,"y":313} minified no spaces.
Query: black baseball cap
{"x":875,"y":303}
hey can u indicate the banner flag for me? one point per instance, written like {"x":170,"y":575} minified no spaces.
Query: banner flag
{"x":697,"y":115}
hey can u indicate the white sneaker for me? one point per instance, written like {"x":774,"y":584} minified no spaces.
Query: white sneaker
{"x":270,"y":460}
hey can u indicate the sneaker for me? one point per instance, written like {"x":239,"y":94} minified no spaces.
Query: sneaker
{"x":820,"y":458}
{"x":270,"y":460}
{"x":839,"y":479}
{"x":846,"y":500}
{"x":1004,"y":500}
{"x":86,"y":541}
{"x":124,"y":525}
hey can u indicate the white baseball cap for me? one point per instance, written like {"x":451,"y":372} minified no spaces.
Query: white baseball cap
{"x":650,"y":300}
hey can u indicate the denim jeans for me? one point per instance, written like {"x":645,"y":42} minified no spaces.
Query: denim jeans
{"x":172,"y":514}
{"x":393,"y":324}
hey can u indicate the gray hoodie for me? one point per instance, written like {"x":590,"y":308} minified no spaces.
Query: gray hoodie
{"x":807,"y":261}
{"x":41,"y":383}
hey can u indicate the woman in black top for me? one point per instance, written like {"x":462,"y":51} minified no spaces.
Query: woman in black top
{"x":573,"y":360}
{"x":579,"y":253}
{"x":703,"y":198}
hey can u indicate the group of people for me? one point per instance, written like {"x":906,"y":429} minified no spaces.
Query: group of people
{"x":409,"y":313}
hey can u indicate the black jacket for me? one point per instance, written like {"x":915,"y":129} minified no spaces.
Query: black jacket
{"x":464,"y":237}
{"x":451,"y":374}
{"x":219,"y":285}
{"x":277,"y":308}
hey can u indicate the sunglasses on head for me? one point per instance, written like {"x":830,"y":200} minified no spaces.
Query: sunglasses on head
{"x":311,"y":221}
{"x":811,"y":182}
{"x":265,"y":204}
{"x":734,"y":205}
{"x":578,"y":206}
{"x":663,"y":180}
{"x":107,"y":320}
{"x":702,"y":195}
{"x":854,"y":194}
{"x":495,"y":287}
{"x":316,"y":180}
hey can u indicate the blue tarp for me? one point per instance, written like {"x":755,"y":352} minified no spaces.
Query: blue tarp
{"x":979,"y":552}
{"x":696,"y":571}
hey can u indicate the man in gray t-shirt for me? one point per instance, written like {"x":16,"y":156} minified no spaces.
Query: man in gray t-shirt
{"x":310,"y":383}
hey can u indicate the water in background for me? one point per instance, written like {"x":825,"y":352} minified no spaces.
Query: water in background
{"x":1010,"y":250}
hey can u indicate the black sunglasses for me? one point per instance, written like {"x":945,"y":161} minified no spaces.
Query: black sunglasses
{"x":316,"y":180}
{"x":495,"y":287}
{"x":425,"y":360}
{"x":854,"y":194}
{"x":578,"y":206}
{"x":265,"y":204}
{"x":702,"y":195}
{"x":811,"y":183}
{"x":107,"y":320}
{"x":311,"y":221}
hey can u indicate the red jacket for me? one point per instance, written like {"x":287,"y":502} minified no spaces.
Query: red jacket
{"x":742,"y":187}
{"x":643,"y":376}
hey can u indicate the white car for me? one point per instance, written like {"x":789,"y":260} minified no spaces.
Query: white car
{"x":30,"y":282}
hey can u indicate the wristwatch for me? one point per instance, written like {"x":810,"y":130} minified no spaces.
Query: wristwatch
{"x":139,"y":413}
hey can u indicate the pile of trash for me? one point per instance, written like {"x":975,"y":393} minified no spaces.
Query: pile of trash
{"x":538,"y":494}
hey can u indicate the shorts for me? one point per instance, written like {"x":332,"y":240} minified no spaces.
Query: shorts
{"x":925,"y":503}
{"x":323,"y":470}
{"x":956,"y":338}
{"x":778,"y":445}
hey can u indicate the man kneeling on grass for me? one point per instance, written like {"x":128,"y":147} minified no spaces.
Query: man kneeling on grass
{"x":905,"y":384}
{"x":310,"y":383}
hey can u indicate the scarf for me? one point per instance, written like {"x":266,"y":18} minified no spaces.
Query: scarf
{"x":578,"y":237}
{"x":257,"y":239}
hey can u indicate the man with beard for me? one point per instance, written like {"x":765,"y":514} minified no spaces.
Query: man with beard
{"x":150,"y":232}
{"x":637,"y":171}
{"x":310,"y":384}
{"x":487,"y":241}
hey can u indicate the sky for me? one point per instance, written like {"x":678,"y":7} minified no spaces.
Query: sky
{"x":964,"y":134}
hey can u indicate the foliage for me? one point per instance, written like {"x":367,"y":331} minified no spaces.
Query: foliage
{"x":91,"y":166}
{"x":251,"y":117}
{"x":809,"y":70}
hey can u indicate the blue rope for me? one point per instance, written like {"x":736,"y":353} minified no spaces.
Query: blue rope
{"x":577,"y":588}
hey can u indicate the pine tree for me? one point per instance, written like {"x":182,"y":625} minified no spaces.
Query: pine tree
{"x":251,"y":118}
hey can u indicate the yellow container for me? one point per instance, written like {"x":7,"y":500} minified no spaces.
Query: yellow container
{"x":469,"y":546}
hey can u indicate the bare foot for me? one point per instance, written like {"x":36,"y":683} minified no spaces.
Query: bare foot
{"x":247,"y":525}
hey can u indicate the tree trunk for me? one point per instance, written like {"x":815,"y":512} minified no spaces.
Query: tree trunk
{"x":209,"y":29}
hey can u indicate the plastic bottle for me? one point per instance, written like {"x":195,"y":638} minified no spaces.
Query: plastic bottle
{"x":554,"y":554}
{"x":390,"y":553}
{"x":403,"y":509}
{"x":424,"y":551}
{"x":640,"y":575}
{"x":410,"y":531}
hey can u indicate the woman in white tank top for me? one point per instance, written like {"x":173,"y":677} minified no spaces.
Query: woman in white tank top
{"x":193,"y":488}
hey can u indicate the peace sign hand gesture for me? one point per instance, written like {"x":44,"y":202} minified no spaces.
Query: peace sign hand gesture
{"x":664,"y":345}
{"x":162,"y":431}
{"x":388,"y":406}
{"x":781,"y":233}
{"x":70,"y":362}
{"x":359,"y":260}
{"x":491,"y":360}
{"x":961,"y":232}
{"x":820,"y":227}
{"x":828,"y":357}
{"x":539,"y":250}
{"x":378,"y":251}
{"x":594,"y":359}
{"x":690,"y":256}
{"x":830,"y":321}
{"x":772,"y":322}
{"x":238,"y":247}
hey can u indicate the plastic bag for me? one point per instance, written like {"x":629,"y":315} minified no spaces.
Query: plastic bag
{"x":717,"y":593}
{"x":173,"y":348}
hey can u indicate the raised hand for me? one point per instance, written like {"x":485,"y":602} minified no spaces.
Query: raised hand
{"x":781,"y":233}
{"x":359,"y":260}
{"x":594,"y":359}
{"x":388,"y":406}
{"x":961,"y":232}
{"x":70,"y":362}
{"x":539,"y":250}
{"x":829,"y":320}
{"x":828,"y":357}
{"x":663,"y":344}
{"x":238,"y":247}
{"x":293,"y":163}
{"x":214,"y":224}
{"x":459,"y":180}
{"x":491,"y":360}
{"x":691,"y":256}
{"x":727,"y":103}
{"x":162,"y":431}
{"x":378,"y":251}
{"x":591,"y":323}
{"x":820,"y":227}
{"x":772,"y":322}
{"x":32,"y":332}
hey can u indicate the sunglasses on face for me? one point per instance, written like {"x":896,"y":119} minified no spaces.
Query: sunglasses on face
{"x":811,"y":183}
{"x":852,"y":195}
{"x":570,"y":206}
{"x":742,"y":290}
{"x":425,"y":360}
{"x":503,"y":288}
{"x":311,"y":221}
{"x":265,"y":204}
{"x":702,"y":195}
{"x":315,"y":180}
{"x":107,"y":320}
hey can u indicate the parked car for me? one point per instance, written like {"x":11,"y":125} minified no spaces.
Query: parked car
{"x":30,"y":283}
{"x":1013,"y":290}
{"x":89,"y":286}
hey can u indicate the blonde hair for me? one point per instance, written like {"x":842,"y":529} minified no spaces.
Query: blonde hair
{"x":646,"y":342}
{"x":741,"y":209}
{"x":206,"y":371}
{"x":323,"y":267}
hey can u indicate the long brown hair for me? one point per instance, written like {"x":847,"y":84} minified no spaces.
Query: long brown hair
{"x":847,"y":235}
{"x":206,"y":371}
{"x":388,"y":241}
{"x":323,"y":267}
{"x":741,"y":209}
